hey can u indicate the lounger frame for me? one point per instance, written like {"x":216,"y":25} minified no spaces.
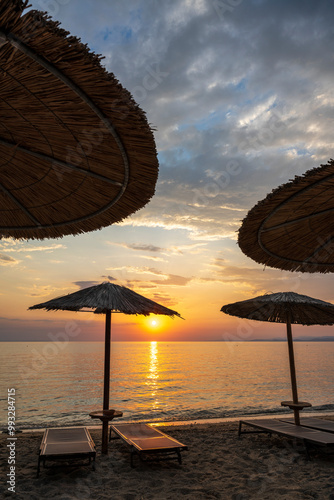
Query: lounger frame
{"x":309,"y":436}
{"x":64,"y":443}
{"x":148,"y":443}
{"x":313,"y":423}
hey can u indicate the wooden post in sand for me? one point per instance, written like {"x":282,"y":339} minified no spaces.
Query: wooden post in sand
{"x":106,"y":381}
{"x":292,"y":370}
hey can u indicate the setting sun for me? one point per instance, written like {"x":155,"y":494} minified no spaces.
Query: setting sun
{"x":154,"y":323}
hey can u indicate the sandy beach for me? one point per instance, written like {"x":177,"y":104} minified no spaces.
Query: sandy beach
{"x":218,"y":464}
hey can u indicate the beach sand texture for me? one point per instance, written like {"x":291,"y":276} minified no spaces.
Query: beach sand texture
{"x":218,"y":464}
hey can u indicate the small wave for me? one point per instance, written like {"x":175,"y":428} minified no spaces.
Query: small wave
{"x":326,"y":407}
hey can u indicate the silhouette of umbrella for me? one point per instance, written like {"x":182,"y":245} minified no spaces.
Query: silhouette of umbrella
{"x":106,"y":298}
{"x":289,"y":308}
{"x":76,"y":151}
{"x":293,"y":227}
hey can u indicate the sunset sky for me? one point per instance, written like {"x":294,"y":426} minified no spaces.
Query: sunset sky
{"x":241,"y":95}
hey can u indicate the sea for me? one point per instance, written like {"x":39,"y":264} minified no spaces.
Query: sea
{"x":60,"y":383}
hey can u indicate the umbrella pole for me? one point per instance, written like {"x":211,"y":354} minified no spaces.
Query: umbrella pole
{"x":106,"y":381}
{"x":292,"y":370}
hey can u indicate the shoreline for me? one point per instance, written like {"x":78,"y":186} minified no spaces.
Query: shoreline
{"x":208,"y":421}
{"x":171,"y":423}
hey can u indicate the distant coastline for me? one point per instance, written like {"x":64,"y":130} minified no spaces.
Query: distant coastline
{"x":297,"y":339}
{"x":329,"y":338}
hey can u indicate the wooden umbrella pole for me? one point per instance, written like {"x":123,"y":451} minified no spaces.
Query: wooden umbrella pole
{"x":292,"y":369}
{"x":106,"y":381}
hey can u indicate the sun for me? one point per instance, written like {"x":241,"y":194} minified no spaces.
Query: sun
{"x":153,"y":323}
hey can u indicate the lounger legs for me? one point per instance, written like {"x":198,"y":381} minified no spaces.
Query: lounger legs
{"x":239,"y":429}
{"x":112,"y":437}
{"x":43,"y":459}
{"x":39,"y":465}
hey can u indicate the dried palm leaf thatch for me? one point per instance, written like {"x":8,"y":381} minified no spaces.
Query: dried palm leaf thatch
{"x":107,"y":297}
{"x":283,"y":306}
{"x":76,"y":151}
{"x":293,"y":227}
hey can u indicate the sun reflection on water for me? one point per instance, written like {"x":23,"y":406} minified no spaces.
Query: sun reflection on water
{"x":153,"y":373}
{"x":154,"y":362}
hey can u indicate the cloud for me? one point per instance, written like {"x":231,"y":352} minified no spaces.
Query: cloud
{"x":85,"y":284}
{"x":29,"y":248}
{"x":139,"y":284}
{"x":137,"y":270}
{"x":174,"y":250}
{"x":172,"y":279}
{"x":165,"y":278}
{"x":5,"y":260}
{"x":251,"y":110}
{"x":40,"y":290}
{"x":139,"y":246}
{"x":258,"y":280}
{"x":157,"y":296}
{"x":150,"y":257}
{"x":164,"y":299}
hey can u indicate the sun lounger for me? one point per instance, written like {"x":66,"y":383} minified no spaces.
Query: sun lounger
{"x":313,"y":423}
{"x":148,"y":442}
{"x":66,"y":443}
{"x":287,"y":429}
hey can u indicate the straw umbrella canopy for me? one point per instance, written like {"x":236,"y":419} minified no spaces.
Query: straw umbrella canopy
{"x":289,"y":308}
{"x":106,"y":298}
{"x":293,"y":227}
{"x":76,"y":152}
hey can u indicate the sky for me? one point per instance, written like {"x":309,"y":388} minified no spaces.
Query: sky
{"x":240,"y":94}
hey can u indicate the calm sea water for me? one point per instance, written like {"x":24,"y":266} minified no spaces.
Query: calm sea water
{"x":61,"y":384}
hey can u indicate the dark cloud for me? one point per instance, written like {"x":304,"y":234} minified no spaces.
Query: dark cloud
{"x":164,"y":299}
{"x":142,"y":247}
{"x":7,"y":258}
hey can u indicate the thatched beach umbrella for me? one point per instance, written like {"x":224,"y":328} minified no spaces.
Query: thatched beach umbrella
{"x":289,"y":308}
{"x":76,"y":151}
{"x":293,"y":227}
{"x":106,"y":298}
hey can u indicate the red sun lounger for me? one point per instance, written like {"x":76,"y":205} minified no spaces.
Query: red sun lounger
{"x":148,"y":442}
{"x":66,"y":444}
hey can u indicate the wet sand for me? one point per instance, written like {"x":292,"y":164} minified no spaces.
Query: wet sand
{"x":217,"y":464}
